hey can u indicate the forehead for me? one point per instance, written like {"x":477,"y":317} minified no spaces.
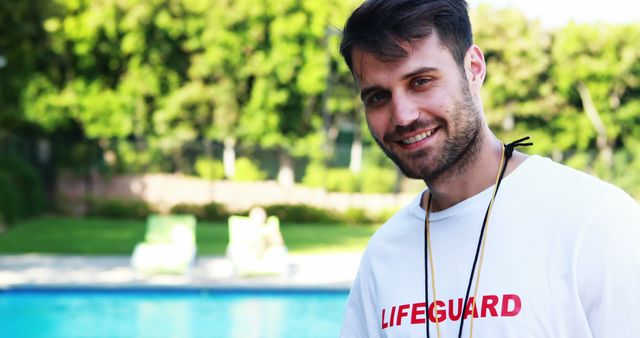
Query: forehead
{"x":369,"y":69}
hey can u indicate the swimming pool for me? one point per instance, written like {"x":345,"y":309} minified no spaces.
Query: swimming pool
{"x":180,"y":313}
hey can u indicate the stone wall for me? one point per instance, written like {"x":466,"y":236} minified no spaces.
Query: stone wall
{"x":166,"y":190}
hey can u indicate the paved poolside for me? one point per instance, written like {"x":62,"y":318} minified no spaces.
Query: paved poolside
{"x":333,"y":271}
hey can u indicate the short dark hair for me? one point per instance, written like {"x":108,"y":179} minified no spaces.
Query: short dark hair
{"x":379,"y":26}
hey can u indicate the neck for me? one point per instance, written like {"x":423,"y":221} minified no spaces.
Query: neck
{"x":458,"y":185}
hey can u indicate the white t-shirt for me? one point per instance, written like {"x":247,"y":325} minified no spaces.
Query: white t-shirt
{"x":562,"y":259}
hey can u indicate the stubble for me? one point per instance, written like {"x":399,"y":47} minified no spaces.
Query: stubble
{"x":457,"y":153}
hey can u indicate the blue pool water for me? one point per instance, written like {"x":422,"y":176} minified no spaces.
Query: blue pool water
{"x":170,"y":313}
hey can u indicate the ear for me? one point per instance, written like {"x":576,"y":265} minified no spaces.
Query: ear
{"x":475,"y":67}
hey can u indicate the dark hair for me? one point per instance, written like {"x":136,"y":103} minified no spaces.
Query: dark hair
{"x":379,"y":26}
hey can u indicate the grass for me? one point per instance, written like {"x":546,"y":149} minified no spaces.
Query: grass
{"x":99,"y":236}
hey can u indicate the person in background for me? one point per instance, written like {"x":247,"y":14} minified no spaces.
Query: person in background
{"x":256,"y":245}
{"x":273,"y":257}
{"x":499,"y":244}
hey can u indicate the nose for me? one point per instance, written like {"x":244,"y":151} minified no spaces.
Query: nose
{"x":404,"y":109}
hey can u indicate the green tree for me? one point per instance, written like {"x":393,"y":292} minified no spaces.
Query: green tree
{"x":518,"y":98}
{"x":223,"y":37}
{"x":289,"y":69}
{"x":597,"y":69}
{"x":112,"y":64}
{"x":23,"y":52}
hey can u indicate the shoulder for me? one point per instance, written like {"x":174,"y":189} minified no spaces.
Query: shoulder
{"x":386,"y":248}
{"x":562,"y":198}
{"x":573,"y":185}
{"x":400,"y":228}
{"x":401,"y":222}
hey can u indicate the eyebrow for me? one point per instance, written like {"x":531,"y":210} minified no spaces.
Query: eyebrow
{"x":368,"y":90}
{"x":419,"y":71}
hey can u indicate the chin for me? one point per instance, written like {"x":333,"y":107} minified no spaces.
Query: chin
{"x":412,"y":168}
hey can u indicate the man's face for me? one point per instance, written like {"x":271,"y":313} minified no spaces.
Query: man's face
{"x":419,"y":109}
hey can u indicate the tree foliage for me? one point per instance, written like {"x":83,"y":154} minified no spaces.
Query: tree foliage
{"x":597,"y":71}
{"x":146,"y":78}
{"x":23,"y":53}
{"x":517,"y":97}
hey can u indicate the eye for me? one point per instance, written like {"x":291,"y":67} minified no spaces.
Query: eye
{"x":377,"y":98}
{"x":422,"y":81}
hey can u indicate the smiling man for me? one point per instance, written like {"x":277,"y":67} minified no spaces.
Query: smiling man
{"x":500,"y":244}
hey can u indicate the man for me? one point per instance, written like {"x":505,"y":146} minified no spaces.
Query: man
{"x":551,"y":253}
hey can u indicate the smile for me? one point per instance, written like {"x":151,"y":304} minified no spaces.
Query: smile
{"x":416,"y":138}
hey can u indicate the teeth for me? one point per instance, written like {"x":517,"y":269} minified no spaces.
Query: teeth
{"x":417,"y":138}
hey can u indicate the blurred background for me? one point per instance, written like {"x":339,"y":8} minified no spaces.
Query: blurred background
{"x":114,"y":110}
{"x":121,"y":108}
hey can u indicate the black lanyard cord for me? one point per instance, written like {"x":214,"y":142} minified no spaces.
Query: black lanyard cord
{"x":508,"y":152}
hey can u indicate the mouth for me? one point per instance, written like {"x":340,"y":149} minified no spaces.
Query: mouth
{"x":417,"y":139}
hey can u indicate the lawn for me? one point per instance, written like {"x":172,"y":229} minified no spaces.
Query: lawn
{"x":99,"y":236}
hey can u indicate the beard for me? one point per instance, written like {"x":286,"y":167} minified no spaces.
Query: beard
{"x":456,"y":154}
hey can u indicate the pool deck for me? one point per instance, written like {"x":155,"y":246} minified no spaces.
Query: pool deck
{"x":321,"y":271}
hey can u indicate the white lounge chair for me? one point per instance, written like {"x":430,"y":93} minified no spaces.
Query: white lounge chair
{"x":169,"y":246}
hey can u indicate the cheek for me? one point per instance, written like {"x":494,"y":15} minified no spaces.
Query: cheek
{"x":377,"y":124}
{"x":445,"y":98}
